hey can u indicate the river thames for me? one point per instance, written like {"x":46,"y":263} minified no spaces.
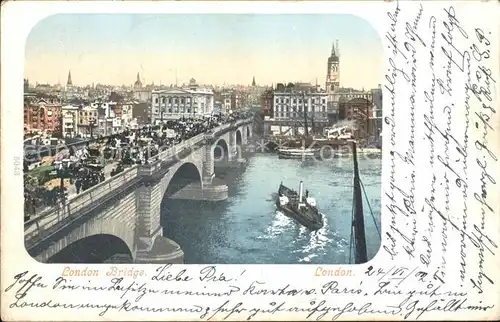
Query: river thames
{"x":247,"y":229}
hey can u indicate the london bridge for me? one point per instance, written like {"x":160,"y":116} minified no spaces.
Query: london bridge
{"x":125,"y":208}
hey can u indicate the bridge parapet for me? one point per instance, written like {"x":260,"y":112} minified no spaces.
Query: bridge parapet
{"x":230,"y":126}
{"x":54,"y":219}
{"x":173,"y":152}
{"x":170,"y":153}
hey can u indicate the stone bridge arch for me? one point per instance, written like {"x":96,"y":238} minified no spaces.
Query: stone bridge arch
{"x":120,"y":225}
{"x":93,"y":249}
{"x":222,"y":154}
{"x":238,"y":137}
{"x":180,"y":175}
{"x":221,"y":150}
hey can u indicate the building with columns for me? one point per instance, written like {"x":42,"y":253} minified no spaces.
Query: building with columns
{"x":174,"y":103}
{"x":291,"y":102}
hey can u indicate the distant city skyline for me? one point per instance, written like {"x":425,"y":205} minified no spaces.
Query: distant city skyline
{"x":213,"y":49}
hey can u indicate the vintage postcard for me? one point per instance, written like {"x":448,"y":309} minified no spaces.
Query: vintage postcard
{"x":333,"y":160}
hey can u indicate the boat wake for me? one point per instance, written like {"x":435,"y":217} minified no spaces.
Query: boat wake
{"x":316,"y":241}
{"x":277,"y":226}
{"x":309,"y":244}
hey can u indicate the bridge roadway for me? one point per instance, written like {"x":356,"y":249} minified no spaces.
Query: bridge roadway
{"x":126,"y":207}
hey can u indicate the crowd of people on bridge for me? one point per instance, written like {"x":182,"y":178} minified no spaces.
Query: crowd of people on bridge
{"x":86,"y":167}
{"x":142,"y":146}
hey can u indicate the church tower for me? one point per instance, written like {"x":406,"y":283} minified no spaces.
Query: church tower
{"x":253,"y":82}
{"x":332,"y":74}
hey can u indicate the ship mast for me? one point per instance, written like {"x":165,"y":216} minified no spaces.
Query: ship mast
{"x":312,"y":122}
{"x":358,"y":221}
{"x":306,"y":130}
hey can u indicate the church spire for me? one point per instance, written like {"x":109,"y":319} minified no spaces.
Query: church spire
{"x":69,"y":82}
{"x":335,"y":49}
{"x":253,"y":81}
{"x":138,"y":83}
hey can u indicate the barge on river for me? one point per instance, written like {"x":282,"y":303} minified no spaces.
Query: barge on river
{"x":303,"y":210}
{"x":290,"y":153}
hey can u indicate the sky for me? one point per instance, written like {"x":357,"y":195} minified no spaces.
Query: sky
{"x":212,"y":48}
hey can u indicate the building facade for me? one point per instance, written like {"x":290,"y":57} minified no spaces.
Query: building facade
{"x":237,"y":101}
{"x":223,"y":99}
{"x":361,"y":112}
{"x":70,"y":121}
{"x":377,"y":105}
{"x":179,"y":102}
{"x":226,"y":102}
{"x":141,"y":113}
{"x":87,"y":120}
{"x":293,"y":106}
{"x":42,"y":116}
{"x":266,"y":104}
{"x":127,"y":115}
{"x":293,"y":103}
{"x":343,"y":95}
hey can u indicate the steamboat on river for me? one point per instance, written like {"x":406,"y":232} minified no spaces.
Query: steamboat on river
{"x":303,"y":210}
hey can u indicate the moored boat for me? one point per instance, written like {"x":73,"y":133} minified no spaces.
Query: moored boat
{"x":298,"y":153}
{"x":302,"y":209}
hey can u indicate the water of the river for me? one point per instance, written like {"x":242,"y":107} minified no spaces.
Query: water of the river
{"x":247,"y":229}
